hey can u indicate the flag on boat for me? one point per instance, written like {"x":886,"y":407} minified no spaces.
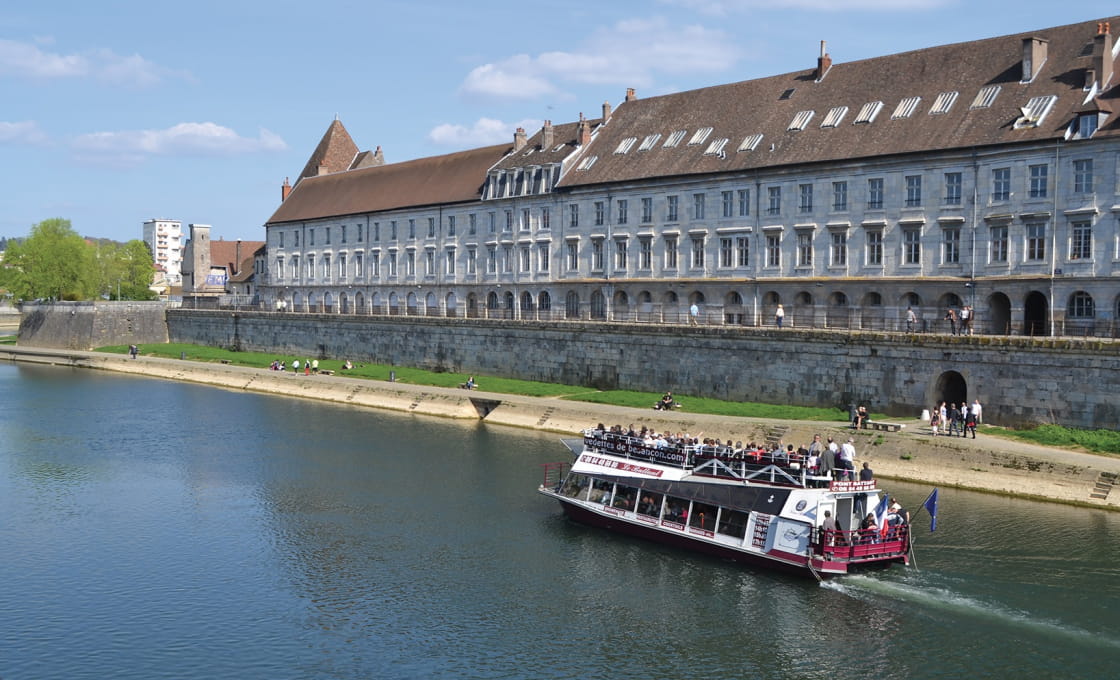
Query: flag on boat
{"x":931,"y":506}
{"x":881,"y":514}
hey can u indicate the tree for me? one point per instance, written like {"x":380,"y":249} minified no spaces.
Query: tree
{"x":53,"y":262}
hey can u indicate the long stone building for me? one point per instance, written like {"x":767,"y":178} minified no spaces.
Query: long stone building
{"x":981,"y":174}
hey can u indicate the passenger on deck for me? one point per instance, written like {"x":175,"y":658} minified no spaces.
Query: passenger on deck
{"x":829,"y":528}
{"x":868,"y":529}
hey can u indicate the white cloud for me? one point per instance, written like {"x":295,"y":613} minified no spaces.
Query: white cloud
{"x":724,"y":7}
{"x":184,"y":139}
{"x":484,"y":132}
{"x":26,"y":60}
{"x":629,"y":53}
{"x":25,"y":132}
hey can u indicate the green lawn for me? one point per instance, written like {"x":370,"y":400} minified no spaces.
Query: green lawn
{"x":1097,"y":441}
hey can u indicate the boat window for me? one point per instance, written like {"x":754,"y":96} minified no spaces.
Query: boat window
{"x":650,"y":505}
{"x":733,"y":523}
{"x":575,"y":485}
{"x":703,"y":516}
{"x":601,"y":492}
{"x":625,"y":497}
{"x":676,"y":510}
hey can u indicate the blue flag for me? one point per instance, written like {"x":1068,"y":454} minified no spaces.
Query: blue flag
{"x":931,"y":506}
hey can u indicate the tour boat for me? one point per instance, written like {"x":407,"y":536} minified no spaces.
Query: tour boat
{"x":747,"y":506}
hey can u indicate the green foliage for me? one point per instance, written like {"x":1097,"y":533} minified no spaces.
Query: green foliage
{"x":1097,"y":441}
{"x":714,"y":406}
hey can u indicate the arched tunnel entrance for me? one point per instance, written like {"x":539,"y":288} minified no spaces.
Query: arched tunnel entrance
{"x":950,"y":388}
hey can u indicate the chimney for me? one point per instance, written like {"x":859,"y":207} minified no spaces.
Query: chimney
{"x":322,"y":167}
{"x":630,"y":94}
{"x":824,"y":62}
{"x":547,"y":136}
{"x":285,"y":189}
{"x":606,"y":111}
{"x":378,"y":157}
{"x":1102,"y":55}
{"x":584,"y":134}
{"x":1034,"y":54}
{"x":519,"y":139}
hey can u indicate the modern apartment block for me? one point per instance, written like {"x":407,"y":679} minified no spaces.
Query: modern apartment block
{"x":165,"y":238}
{"x":982,"y":174}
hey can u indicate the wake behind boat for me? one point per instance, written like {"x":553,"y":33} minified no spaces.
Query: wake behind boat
{"x":752,"y":506}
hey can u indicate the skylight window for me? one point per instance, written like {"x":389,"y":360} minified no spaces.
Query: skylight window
{"x":750,"y":142}
{"x":650,"y":141}
{"x":943,"y":103}
{"x":586,"y":163}
{"x":528,"y":151}
{"x":835,"y":115}
{"x":716,"y":147}
{"x":1035,"y":110}
{"x":626,"y":144}
{"x":787,"y":94}
{"x":800,"y":120}
{"x":675,"y":139}
{"x":700,"y":136}
{"x":905,"y":107}
{"x":985,"y":97}
{"x":868,"y":112}
{"x":559,"y":147}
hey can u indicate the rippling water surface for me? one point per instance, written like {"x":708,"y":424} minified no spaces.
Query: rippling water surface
{"x":159,"y":530}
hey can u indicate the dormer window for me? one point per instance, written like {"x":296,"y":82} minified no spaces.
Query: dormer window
{"x":800,"y":121}
{"x":1085,"y":125}
{"x":1035,"y":110}
{"x":700,"y":136}
{"x":626,"y":144}
{"x":586,"y":163}
{"x":750,"y":142}
{"x":716,"y":147}
{"x":943,"y":103}
{"x":835,"y":115}
{"x":868,"y":112}
{"x":675,"y":139}
{"x":985,"y":97}
{"x":650,"y":141}
{"x":906,"y":108}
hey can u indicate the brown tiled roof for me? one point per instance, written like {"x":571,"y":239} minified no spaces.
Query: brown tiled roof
{"x":336,"y":151}
{"x":565,"y":140}
{"x":452,"y":178}
{"x":235,"y":256}
{"x":768,"y":106}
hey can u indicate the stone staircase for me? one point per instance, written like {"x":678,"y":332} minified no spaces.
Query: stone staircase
{"x":1103,"y":486}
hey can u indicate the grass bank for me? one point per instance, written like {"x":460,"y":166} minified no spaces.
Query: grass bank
{"x":1057,"y":436}
{"x":494,"y":384}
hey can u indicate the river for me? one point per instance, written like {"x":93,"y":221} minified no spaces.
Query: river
{"x":154,"y":529}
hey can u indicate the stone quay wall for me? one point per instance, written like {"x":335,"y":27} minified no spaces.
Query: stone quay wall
{"x":1018,"y":380}
{"x":86,"y":325}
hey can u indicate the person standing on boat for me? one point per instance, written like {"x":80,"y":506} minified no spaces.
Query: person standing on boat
{"x":829,"y":527}
{"x":828,"y":460}
{"x":848,"y":459}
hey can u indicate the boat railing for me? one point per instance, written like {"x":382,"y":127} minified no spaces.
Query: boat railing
{"x":860,"y":545}
{"x":714,"y":461}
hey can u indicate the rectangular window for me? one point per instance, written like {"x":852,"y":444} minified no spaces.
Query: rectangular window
{"x":375,"y":264}
{"x":913,"y":191}
{"x":744,"y":203}
{"x":359,"y":266}
{"x":1081,"y":241}
{"x":431,"y":227}
{"x":671,"y":252}
{"x":472,"y":261}
{"x":645,"y":253}
{"x":280,"y":234}
{"x":839,"y":196}
{"x":546,"y":218}
{"x":573,"y":214}
{"x":507,"y":259}
{"x":726,"y":252}
{"x":410,"y":264}
{"x":804,"y":249}
{"x":393,"y":230}
{"x":775,"y":204}
{"x":279,"y":269}
{"x":311,"y":236}
{"x":1036,"y":241}
{"x":600,"y":213}
{"x":951,"y":245}
{"x":573,"y":256}
{"x":773,"y":250}
{"x":728,"y":203}
{"x":999,"y":243}
{"x":343,"y":228}
{"x":698,"y":252}
{"x":508,"y":227}
{"x":328,"y":235}
{"x":875,"y":193}
{"x":526,"y":259}
{"x":542,"y":257}
{"x":912,"y":246}
{"x":295,"y":239}
{"x":472,"y":224}
{"x":597,"y":255}
{"x":376,"y":232}
{"x":342,"y":273}
{"x":620,"y":254}
{"x":953,"y":185}
{"x":623,"y":210}
{"x":450,"y":256}
{"x":526,"y":216}
{"x":412,"y":228}
{"x":647,"y":210}
{"x":743,"y":251}
{"x":698,"y":206}
{"x":450,"y":225}
{"x":1083,"y":176}
{"x":311,"y":267}
{"x":805,"y":198}
{"x":1039,"y":180}
{"x":359,"y":230}
{"x":672,"y":214}
{"x":839,"y":248}
{"x":392,"y":265}
{"x":491,"y":259}
{"x":875,"y":248}
{"x":492,"y":219}
{"x":1001,"y":184}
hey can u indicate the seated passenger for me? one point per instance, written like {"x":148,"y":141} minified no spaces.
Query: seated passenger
{"x":869,"y":529}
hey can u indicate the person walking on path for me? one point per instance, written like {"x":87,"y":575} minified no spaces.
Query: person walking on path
{"x":693,"y":313}
{"x":779,"y":316}
{"x":911,"y":319}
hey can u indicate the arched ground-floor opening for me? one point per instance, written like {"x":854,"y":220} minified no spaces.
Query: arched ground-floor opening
{"x":1035,"y":312}
{"x":950,"y":388}
{"x":999,"y":314}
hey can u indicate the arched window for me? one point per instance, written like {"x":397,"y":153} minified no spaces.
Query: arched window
{"x":526,"y":301}
{"x":492,"y":300}
{"x":571,"y":305}
{"x":544,"y":301}
{"x":733,"y":298}
{"x":838,"y":299}
{"x":1081,"y":306}
{"x":598,"y":306}
{"x":696,"y":298}
{"x":873,"y":299}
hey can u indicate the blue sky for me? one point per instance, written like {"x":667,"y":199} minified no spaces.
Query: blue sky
{"x":114,"y":112}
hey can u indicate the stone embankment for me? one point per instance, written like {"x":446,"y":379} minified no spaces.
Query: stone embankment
{"x":987,"y":463}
